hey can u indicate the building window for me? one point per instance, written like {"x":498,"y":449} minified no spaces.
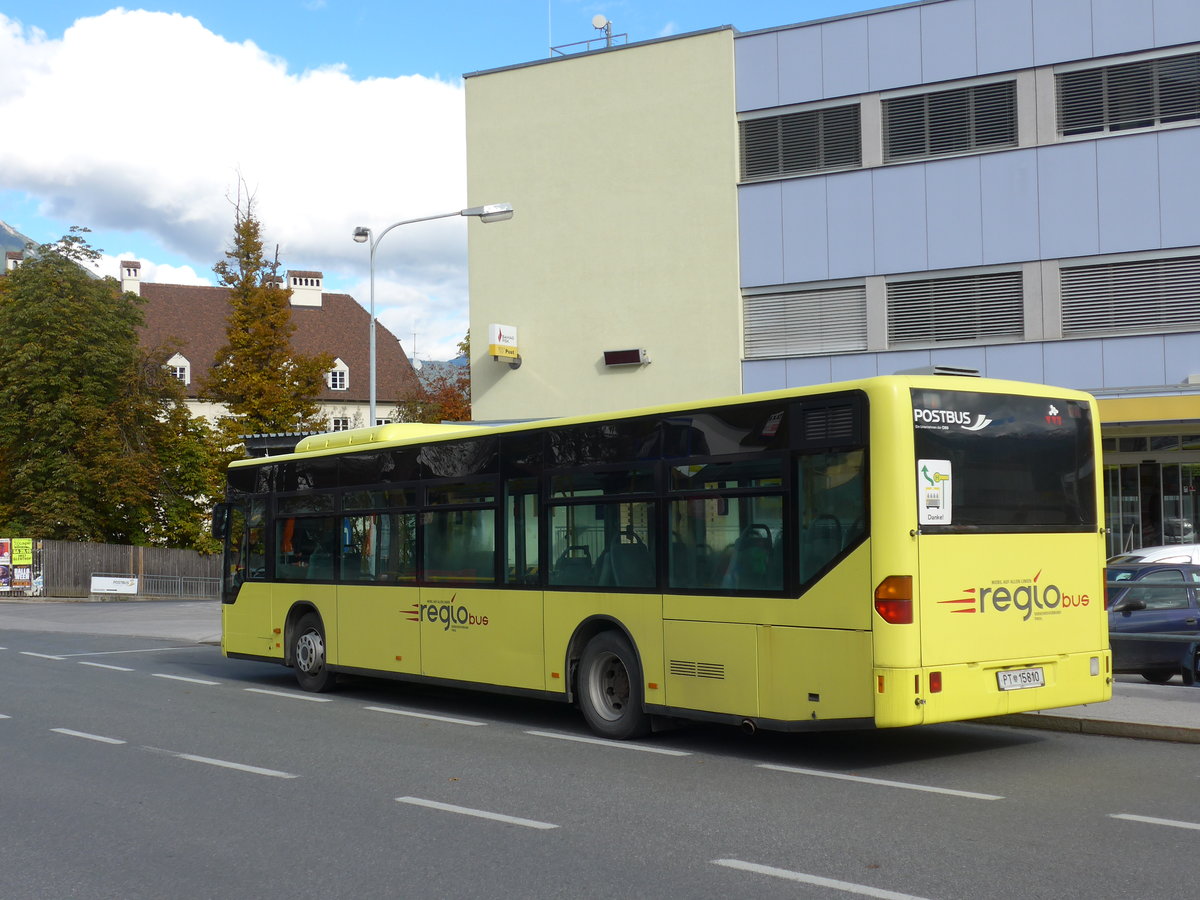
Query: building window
{"x":339,"y":423}
{"x":339,"y":377}
{"x":982,"y":117}
{"x":796,"y":143}
{"x":805,"y":323}
{"x":179,"y":367}
{"x":1131,"y":95}
{"x":963,"y":309}
{"x":1136,"y":296}
{"x":384,"y":421}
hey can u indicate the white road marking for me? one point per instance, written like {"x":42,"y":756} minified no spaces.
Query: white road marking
{"x":971,"y":795}
{"x":1150,"y":820}
{"x":116,"y":652}
{"x":84,"y":662}
{"x":477,"y":813}
{"x":817,"y":880}
{"x":41,"y":655}
{"x":290,"y":695}
{"x":3,"y":716}
{"x":183,"y":678}
{"x":616,"y":745}
{"x":83,"y":734}
{"x":418,"y":715}
{"x":225,"y":764}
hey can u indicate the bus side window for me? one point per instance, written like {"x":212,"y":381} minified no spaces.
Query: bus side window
{"x":833,"y":508}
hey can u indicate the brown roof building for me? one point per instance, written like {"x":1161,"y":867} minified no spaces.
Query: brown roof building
{"x":193,"y":319}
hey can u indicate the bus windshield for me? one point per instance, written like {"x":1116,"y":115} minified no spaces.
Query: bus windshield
{"x":1003,"y":463}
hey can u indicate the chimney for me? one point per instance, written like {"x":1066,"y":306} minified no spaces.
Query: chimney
{"x":131,"y":276}
{"x":306,"y":287}
{"x":12,"y":259}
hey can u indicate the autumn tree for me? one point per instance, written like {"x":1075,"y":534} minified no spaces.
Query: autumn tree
{"x":96,"y":443}
{"x":445,"y":394}
{"x":260,"y":378}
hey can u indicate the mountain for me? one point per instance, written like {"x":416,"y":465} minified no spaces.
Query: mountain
{"x":11,"y":239}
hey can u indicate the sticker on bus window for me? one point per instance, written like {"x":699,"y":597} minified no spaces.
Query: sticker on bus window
{"x":933,"y":491}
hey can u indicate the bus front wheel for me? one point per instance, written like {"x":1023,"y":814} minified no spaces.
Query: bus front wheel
{"x":308,"y":655}
{"x":610,"y":688}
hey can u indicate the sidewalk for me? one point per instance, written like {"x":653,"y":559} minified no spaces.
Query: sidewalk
{"x":198,"y":621}
{"x":1169,"y":712}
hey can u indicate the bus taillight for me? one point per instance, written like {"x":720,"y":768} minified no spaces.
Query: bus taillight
{"x":893,"y":599}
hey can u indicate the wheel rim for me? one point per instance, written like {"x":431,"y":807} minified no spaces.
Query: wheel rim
{"x":310,"y":652}
{"x":608,"y":687}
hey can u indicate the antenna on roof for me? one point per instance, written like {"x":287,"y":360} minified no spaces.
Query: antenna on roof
{"x":600,"y":23}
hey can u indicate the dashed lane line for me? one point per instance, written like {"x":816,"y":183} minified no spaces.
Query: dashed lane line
{"x":40,"y":655}
{"x":420,"y":715}
{"x":477,"y":813}
{"x":291,"y":695}
{"x":118,"y":652}
{"x":615,"y":745}
{"x":96,"y":665}
{"x":99,"y":738}
{"x":970,"y":795}
{"x":1150,"y":820}
{"x":184,"y":678}
{"x":226,"y":764}
{"x":850,"y":887}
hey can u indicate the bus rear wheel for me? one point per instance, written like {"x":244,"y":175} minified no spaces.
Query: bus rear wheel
{"x":308,"y":655}
{"x":610,"y":688}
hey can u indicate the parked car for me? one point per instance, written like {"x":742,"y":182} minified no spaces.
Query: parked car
{"x":1154,"y":598}
{"x":1166,"y":553}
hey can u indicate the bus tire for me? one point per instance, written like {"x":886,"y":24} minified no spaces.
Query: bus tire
{"x":610,"y":688}
{"x":308,"y":655}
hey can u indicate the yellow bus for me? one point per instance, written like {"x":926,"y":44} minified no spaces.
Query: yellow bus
{"x":893,"y":551}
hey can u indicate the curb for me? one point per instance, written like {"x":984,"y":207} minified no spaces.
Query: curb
{"x":1079,"y":725}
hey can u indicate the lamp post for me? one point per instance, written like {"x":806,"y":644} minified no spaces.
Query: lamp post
{"x":491,"y":212}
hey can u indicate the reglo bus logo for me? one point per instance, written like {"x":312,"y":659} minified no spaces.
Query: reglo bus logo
{"x":1027,"y":597}
{"x":448,"y":614}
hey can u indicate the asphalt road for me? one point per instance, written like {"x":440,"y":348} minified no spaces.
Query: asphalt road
{"x":142,"y":768}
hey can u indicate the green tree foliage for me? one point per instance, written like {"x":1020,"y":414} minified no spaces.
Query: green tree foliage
{"x":445,"y":395}
{"x":95,"y":442}
{"x":266,"y":385}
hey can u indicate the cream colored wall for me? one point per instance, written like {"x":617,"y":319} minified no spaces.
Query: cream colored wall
{"x":621,"y":167}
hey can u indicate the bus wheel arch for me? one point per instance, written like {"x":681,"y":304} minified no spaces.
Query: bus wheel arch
{"x":306,"y":649}
{"x":608,"y":682}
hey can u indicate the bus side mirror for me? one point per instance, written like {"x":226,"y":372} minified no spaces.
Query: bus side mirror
{"x":220,"y":521}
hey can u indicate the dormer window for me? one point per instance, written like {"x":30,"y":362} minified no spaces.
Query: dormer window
{"x":180,"y":368}
{"x":339,"y":377}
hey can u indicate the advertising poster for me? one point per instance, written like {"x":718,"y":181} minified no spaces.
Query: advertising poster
{"x":22,"y":563}
{"x":5,"y":564}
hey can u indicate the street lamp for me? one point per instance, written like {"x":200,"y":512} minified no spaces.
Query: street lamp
{"x":491,"y":212}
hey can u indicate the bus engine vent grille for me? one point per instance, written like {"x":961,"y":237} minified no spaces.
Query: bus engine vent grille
{"x":697,"y":669}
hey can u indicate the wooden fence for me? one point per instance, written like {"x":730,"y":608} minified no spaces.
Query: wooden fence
{"x":67,"y":567}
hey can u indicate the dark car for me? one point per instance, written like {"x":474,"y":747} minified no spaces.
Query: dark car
{"x":1154,"y":598}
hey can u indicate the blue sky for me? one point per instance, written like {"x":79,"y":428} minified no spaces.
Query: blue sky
{"x":138,"y":122}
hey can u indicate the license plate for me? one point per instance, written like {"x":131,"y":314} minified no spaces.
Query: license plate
{"x":1018,"y":679}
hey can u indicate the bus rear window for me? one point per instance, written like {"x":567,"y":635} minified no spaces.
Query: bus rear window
{"x":1003,"y":463}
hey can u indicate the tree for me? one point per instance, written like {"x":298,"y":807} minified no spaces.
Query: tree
{"x":95,"y":442}
{"x":266,"y":385}
{"x":445,"y":391}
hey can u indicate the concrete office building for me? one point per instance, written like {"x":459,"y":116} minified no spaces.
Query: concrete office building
{"x":1010,"y":186}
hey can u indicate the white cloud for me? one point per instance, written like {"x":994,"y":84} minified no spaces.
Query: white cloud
{"x":144,"y":121}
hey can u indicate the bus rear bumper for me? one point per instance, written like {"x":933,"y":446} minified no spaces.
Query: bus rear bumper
{"x":922,"y":696}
